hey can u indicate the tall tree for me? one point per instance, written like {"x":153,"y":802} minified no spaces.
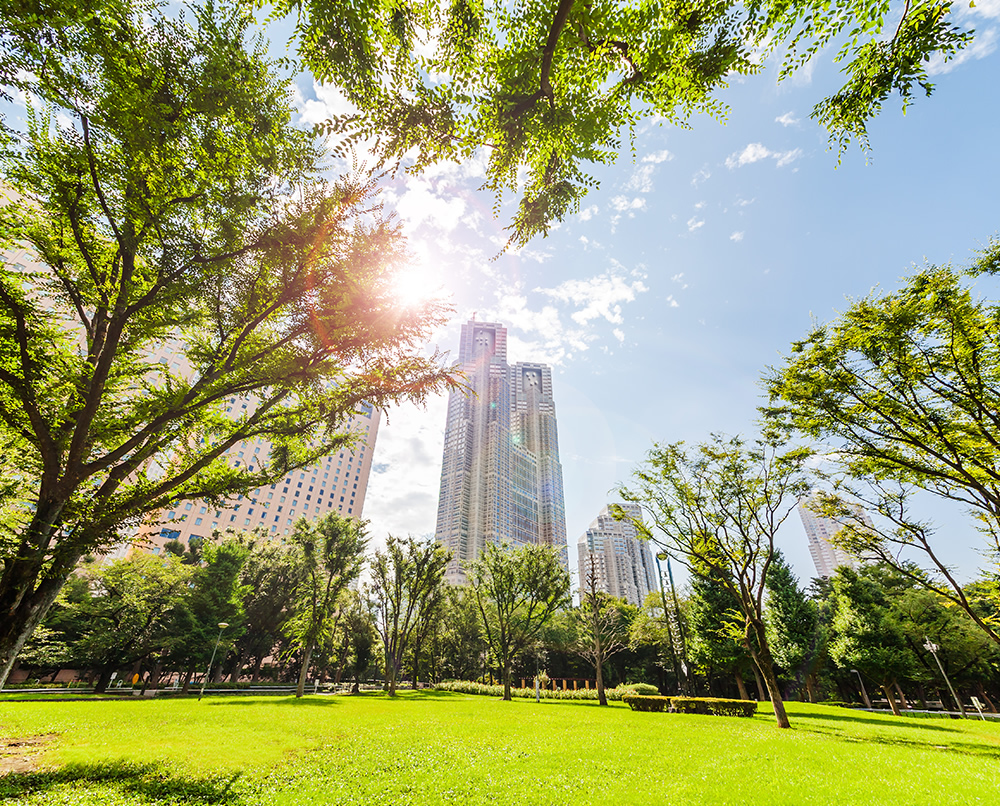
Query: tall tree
{"x":215,"y":597}
{"x":602,"y":623}
{"x":169,"y":205}
{"x":793,"y":628}
{"x":867,"y":633}
{"x":407,"y":581}
{"x":718,"y":508}
{"x":332,"y":552}
{"x":717,"y":636}
{"x":905,"y":389}
{"x":462,"y":644}
{"x":548,"y":87}
{"x":128,"y":611}
{"x":517,"y":591}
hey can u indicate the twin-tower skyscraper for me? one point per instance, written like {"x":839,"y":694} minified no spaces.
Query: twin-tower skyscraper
{"x":501,"y":480}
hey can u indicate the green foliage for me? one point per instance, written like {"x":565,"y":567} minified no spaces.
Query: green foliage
{"x":407,"y":589}
{"x":331,"y":552}
{"x":643,"y":688}
{"x":170,"y":205}
{"x":713,"y":705}
{"x":517,"y":591}
{"x":905,"y":385}
{"x":793,"y":628}
{"x":646,"y":702}
{"x":547,"y":88}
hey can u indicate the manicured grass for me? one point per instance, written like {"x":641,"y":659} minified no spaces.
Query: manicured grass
{"x":436,"y":747}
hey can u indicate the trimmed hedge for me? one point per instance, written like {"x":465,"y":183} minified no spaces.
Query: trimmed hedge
{"x":714,"y":706}
{"x":646,"y":702}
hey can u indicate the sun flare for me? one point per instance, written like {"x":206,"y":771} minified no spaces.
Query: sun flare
{"x":416,"y":284}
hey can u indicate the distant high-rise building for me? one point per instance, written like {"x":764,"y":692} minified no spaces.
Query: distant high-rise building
{"x":622,"y":562}
{"x":826,"y":556}
{"x":501,"y":480}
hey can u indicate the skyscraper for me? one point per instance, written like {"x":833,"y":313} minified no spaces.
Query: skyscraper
{"x":819,"y":531}
{"x":622,"y":562}
{"x":501,"y":480}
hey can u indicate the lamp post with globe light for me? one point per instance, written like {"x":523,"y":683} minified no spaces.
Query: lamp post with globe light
{"x":222,"y":626}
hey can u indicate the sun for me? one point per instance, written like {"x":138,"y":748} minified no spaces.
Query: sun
{"x":416,"y":284}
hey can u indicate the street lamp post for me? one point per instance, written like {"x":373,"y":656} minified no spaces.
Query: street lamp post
{"x":222,"y":626}
{"x":868,"y":703}
{"x":933,"y":648}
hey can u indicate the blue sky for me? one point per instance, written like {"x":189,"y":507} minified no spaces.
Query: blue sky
{"x":693,"y":267}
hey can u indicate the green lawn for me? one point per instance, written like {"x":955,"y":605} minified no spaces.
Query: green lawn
{"x":451,"y":748}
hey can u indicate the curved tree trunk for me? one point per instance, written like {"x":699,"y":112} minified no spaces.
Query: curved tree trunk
{"x":887,"y":689}
{"x":744,"y":695}
{"x":304,"y":669}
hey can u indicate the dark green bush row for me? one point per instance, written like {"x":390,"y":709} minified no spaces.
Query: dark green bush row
{"x":646,"y":702}
{"x":713,"y":705}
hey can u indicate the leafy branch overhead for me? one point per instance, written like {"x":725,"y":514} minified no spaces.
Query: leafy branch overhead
{"x":548,"y":87}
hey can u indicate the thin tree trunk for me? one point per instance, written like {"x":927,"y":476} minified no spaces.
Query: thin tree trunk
{"x":506,"y":680}
{"x":986,"y":699}
{"x":763,"y":660}
{"x":186,"y":687}
{"x":155,"y":673}
{"x":761,"y":695}
{"x":811,"y":686}
{"x":304,"y":670}
{"x":887,"y":688}
{"x":902,"y":696}
{"x":256,"y":668}
{"x":602,"y":698}
{"x":741,"y":685}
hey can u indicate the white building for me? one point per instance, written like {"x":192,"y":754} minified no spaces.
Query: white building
{"x":826,"y":556}
{"x":501,"y":480}
{"x":622,"y":562}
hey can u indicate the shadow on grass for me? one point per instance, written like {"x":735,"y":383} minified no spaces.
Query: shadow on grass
{"x":885,"y":722}
{"x":324,"y":701}
{"x":144,"y":783}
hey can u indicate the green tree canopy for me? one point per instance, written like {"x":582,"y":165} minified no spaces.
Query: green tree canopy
{"x":717,"y":508}
{"x":548,"y":87}
{"x":517,"y":591}
{"x":169,"y":208}
{"x":904,"y":389}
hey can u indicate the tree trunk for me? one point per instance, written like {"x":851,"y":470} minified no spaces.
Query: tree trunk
{"x":24,"y":613}
{"x":304,"y":670}
{"x":761,"y":696}
{"x":902,"y":696}
{"x":762,"y":657}
{"x":186,"y":687}
{"x":602,"y":698}
{"x":154,"y":675}
{"x":811,"y":686}
{"x":506,"y":680}
{"x":256,"y":668}
{"x":986,"y":699}
{"x":103,"y":680}
{"x":887,"y":688}
{"x":741,"y":685}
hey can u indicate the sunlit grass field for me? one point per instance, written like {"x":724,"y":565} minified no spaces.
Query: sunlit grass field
{"x":436,"y":747}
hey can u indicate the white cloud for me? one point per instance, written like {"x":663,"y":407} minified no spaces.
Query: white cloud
{"x":642,"y":180}
{"x":597,"y":297}
{"x":745,"y":202}
{"x":736,"y":236}
{"x":658,"y":157}
{"x":787,"y":119}
{"x":700,"y":177}
{"x":672,"y":302}
{"x":623,"y":203}
{"x":588,"y":213}
{"x":679,"y":279}
{"x":983,"y":45}
{"x":700,"y":205}
{"x":618,"y":334}
{"x":695,"y":223}
{"x":419,"y":204}
{"x":755,"y":152}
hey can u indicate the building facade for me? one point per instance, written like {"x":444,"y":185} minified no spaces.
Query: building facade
{"x":620,"y":560}
{"x":501,"y":479}
{"x":826,"y":556}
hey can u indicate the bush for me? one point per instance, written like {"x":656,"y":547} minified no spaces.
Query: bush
{"x":469,"y":687}
{"x":642,"y":688}
{"x":646,"y":702}
{"x":713,"y":705}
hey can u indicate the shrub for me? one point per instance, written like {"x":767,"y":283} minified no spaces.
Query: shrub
{"x":713,"y":705}
{"x":646,"y":702}
{"x":643,"y":688}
